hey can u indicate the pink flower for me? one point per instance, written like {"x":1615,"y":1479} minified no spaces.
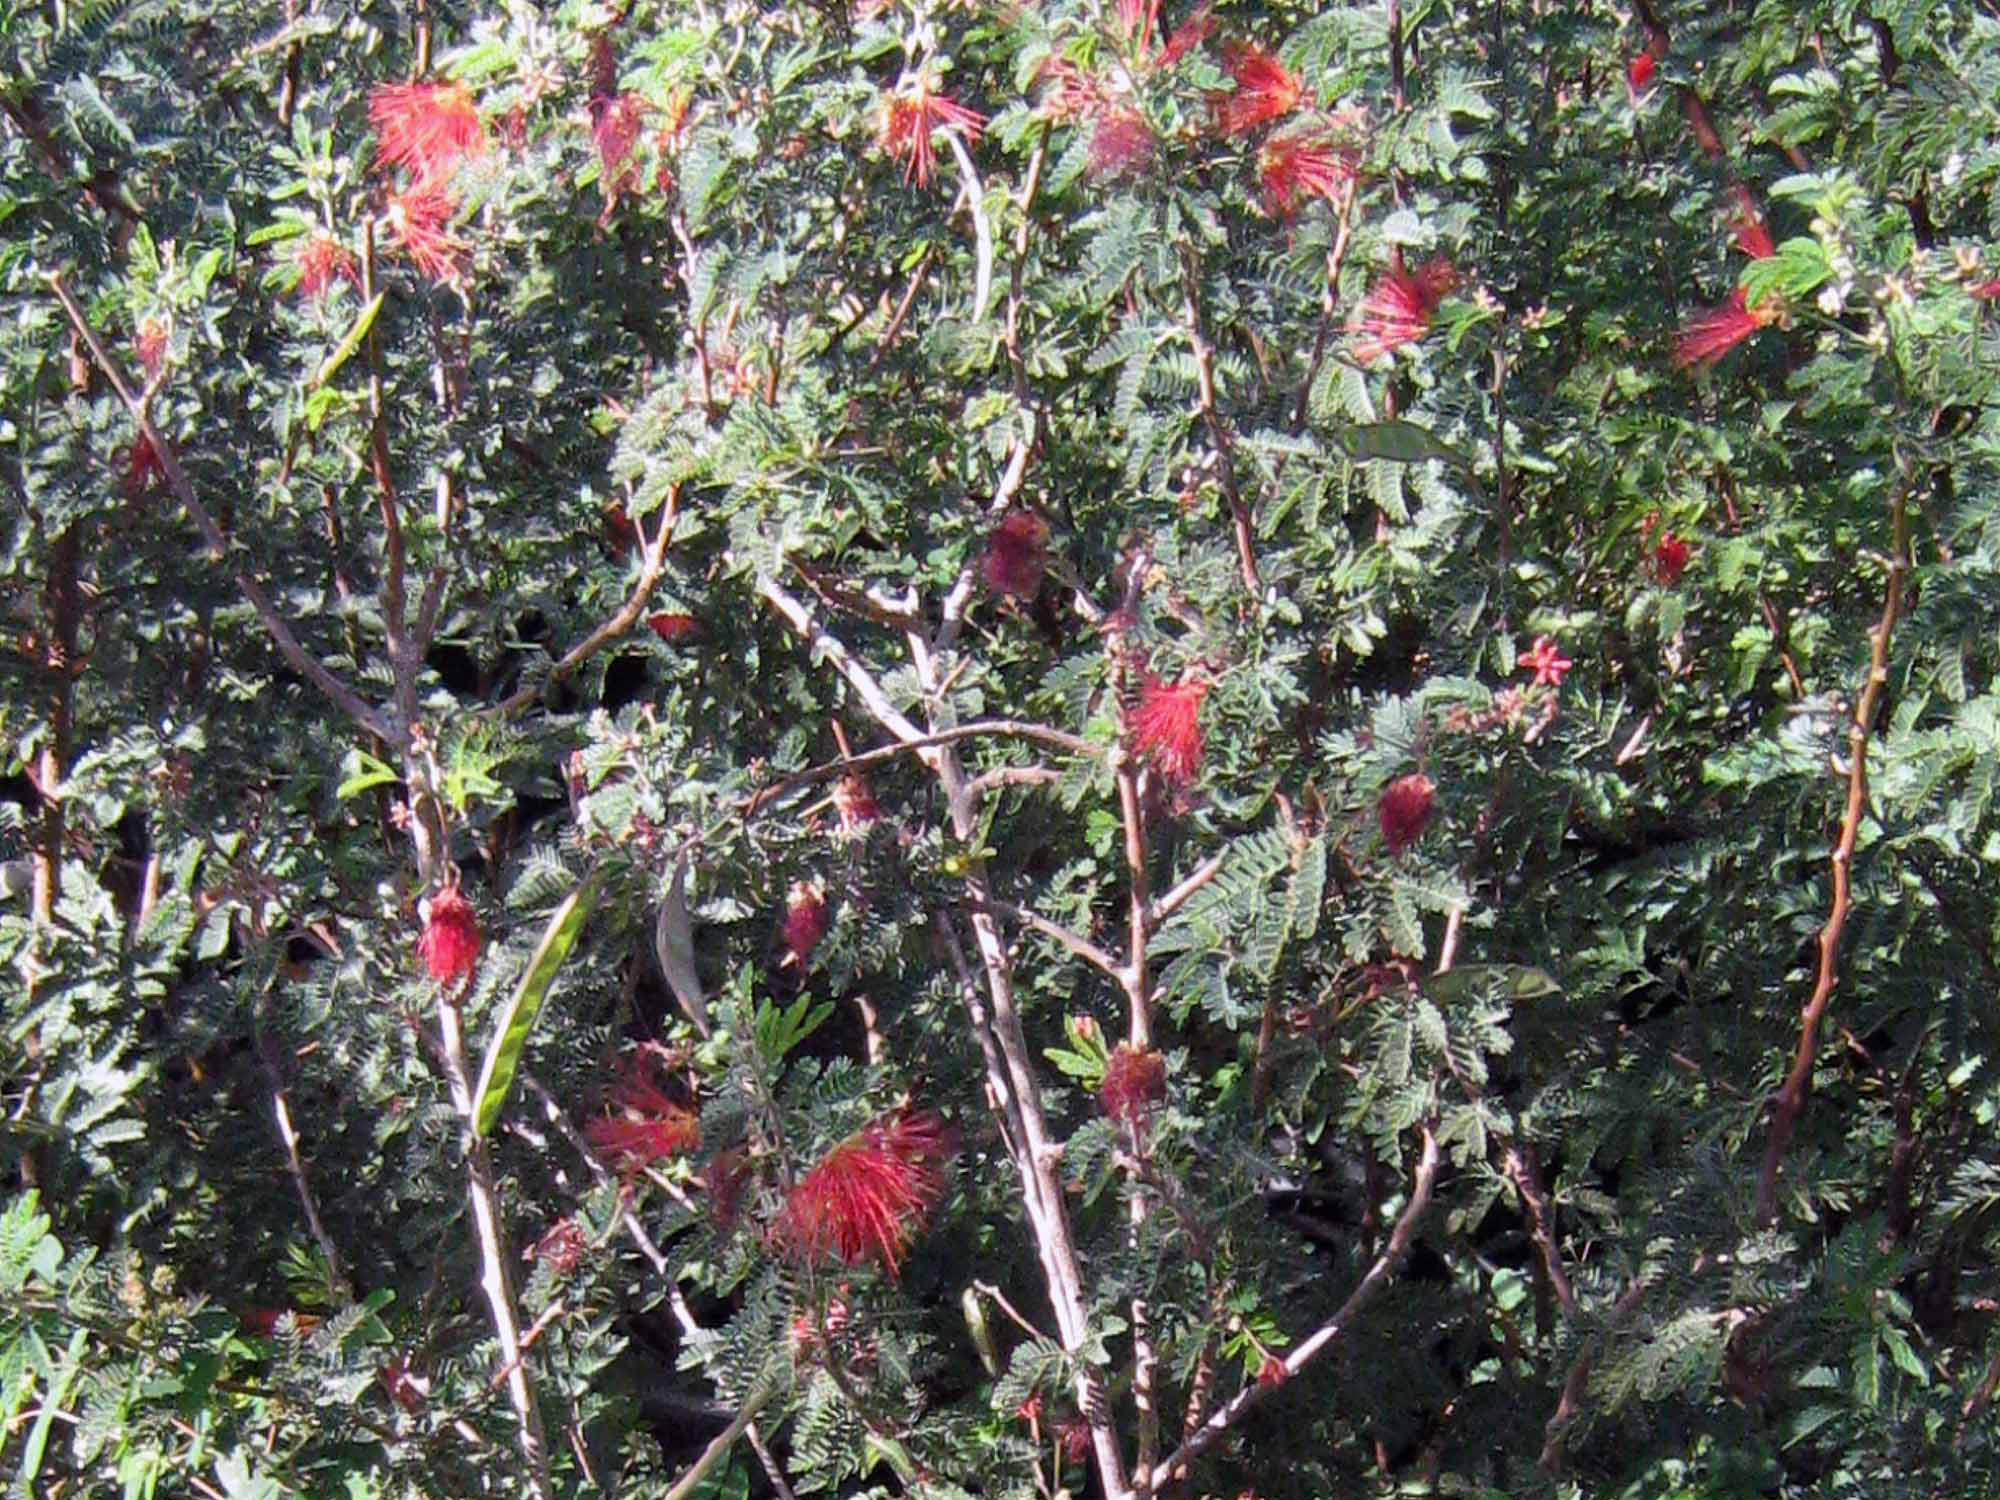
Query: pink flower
{"x":644,"y":1124}
{"x":1187,"y":36}
{"x":673,"y":628}
{"x":1714,"y":333}
{"x":1404,"y":810}
{"x":805,"y":922}
{"x":1015,"y":554}
{"x":1985,"y":291}
{"x":450,"y":943}
{"x":615,"y":126}
{"x":1264,"y":91}
{"x":420,"y":226}
{"x":323,"y":260}
{"x":1167,"y":726}
{"x":1547,"y":663}
{"x":1304,"y":165}
{"x":1399,"y":309}
{"x":868,"y":1195}
{"x":1134,"y":1081}
{"x":427,"y":127}
{"x":907,"y":127}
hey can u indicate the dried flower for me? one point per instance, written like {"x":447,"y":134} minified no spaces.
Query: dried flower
{"x":419,"y":226}
{"x":908,"y":123}
{"x":1167,"y":726}
{"x":1404,"y":810}
{"x":1015,"y":555}
{"x":1134,"y":1081}
{"x":726,"y":1177}
{"x":323,"y":260}
{"x":1399,"y":308}
{"x":868,"y":1194}
{"x":1302,"y":165}
{"x":1715,"y":332}
{"x":1073,"y":1438}
{"x":855,"y":803}
{"x":1030,"y":1410}
{"x":805,"y":922}
{"x":673,"y":628}
{"x":615,"y":126}
{"x":560,"y":1248}
{"x":645,"y":1124}
{"x":427,"y":127}
{"x":450,"y":943}
{"x":1639,"y":71}
{"x":1121,"y":142}
{"x":1547,"y":663}
{"x":143,"y":468}
{"x":1264,"y":91}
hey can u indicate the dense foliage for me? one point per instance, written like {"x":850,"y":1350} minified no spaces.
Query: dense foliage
{"x":999,"y":749}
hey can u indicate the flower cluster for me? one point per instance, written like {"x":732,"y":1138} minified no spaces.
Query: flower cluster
{"x":1134,"y":1081}
{"x":1016,"y":555}
{"x":1398,"y":309}
{"x":427,"y":130}
{"x":644,"y":1124}
{"x":911,"y":116}
{"x":867,"y":1196}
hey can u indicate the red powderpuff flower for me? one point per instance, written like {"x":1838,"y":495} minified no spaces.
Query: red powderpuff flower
{"x":645,"y":1124}
{"x":1134,"y":1081}
{"x":1305,"y":165}
{"x":1073,"y":1437}
{"x":426,"y":127}
{"x":1669,"y":559}
{"x":1264,"y":91}
{"x":909,"y":121}
{"x":868,"y":1195}
{"x":1167,"y":726}
{"x":143,"y":468}
{"x":1121,"y":142}
{"x":1405,"y":810}
{"x":419,"y":226}
{"x":1751,"y":237}
{"x":1015,"y":556}
{"x":673,"y":628}
{"x":1399,"y":309}
{"x":1714,"y":333}
{"x":805,"y":922}
{"x":450,"y":943}
{"x":1548,"y":664}
{"x":1639,"y":71}
{"x":322,"y":261}
{"x":1187,"y":36}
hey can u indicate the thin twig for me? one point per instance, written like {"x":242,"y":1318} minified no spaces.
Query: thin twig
{"x":1081,"y":946}
{"x":975,"y":197}
{"x":1176,"y":898}
{"x":714,"y":1453}
{"x":1791,"y":1101}
{"x":1320,"y":1339}
{"x":1225,"y":449}
{"x":336,"y":1275}
{"x":303,"y":662}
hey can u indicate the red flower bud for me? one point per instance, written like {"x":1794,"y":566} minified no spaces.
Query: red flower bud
{"x":450,"y":944}
{"x":1639,"y":72}
{"x":1405,"y":810}
{"x":1272,"y":1371}
{"x":805,"y":922}
{"x":1014,"y":556}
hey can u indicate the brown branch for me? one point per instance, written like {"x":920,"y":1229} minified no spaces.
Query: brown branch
{"x":652,"y":561}
{"x":1320,"y":1339}
{"x":303,"y":662}
{"x":1081,"y":946}
{"x":1791,"y":1101}
{"x":1329,"y":304}
{"x":1576,"y":1388}
{"x":1218,"y":433}
{"x":1166,"y":905}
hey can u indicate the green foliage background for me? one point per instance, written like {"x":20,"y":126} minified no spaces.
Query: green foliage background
{"x":809,"y":369}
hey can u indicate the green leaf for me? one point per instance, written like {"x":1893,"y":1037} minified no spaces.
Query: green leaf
{"x":366,"y":772}
{"x":1399,"y":442}
{"x":344,"y":350}
{"x":781,"y":1028}
{"x":510,"y":1033}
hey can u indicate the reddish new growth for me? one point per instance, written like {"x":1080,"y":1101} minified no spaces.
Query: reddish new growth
{"x":615,"y":127}
{"x":1399,"y":309}
{"x":1547,"y":663}
{"x":1134,"y":1081}
{"x":673,"y":628}
{"x":1666,"y":558}
{"x":1264,"y":91}
{"x":909,"y":121}
{"x":1639,"y":71}
{"x":1167,"y":726}
{"x":1405,"y":810}
{"x":323,"y":260}
{"x":1014,"y":554}
{"x":143,"y":468}
{"x":1301,"y":166}
{"x":1122,"y":142}
{"x":450,"y":943}
{"x":419,"y":226}
{"x":868,"y":1195}
{"x":1985,"y":291}
{"x":150,"y":345}
{"x":805,"y":922}
{"x":1272,"y":1371}
{"x":428,"y":128}
{"x":644,"y":1124}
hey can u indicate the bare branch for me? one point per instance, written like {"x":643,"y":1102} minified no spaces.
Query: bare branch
{"x":1317,"y":1342}
{"x":303,"y":662}
{"x":1176,"y":898}
{"x":1081,"y":946}
{"x":1791,"y":1102}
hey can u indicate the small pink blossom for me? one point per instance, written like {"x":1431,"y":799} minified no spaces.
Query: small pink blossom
{"x":1548,"y":664}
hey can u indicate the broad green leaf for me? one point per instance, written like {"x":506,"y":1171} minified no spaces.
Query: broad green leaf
{"x":517,"y":1019}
